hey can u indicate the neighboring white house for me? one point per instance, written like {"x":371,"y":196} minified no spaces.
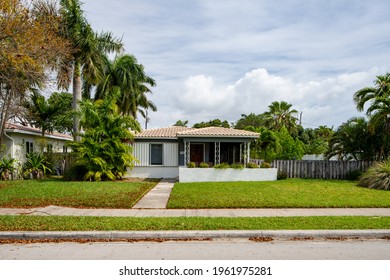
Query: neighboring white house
{"x":20,"y":140}
{"x":162,"y":152}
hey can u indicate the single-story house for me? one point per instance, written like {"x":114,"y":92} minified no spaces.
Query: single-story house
{"x":164,"y":152}
{"x":21,"y":140}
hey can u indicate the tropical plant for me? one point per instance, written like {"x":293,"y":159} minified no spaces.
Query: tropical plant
{"x":377,"y":176}
{"x":265,"y":165}
{"x":237,"y":166}
{"x":379,"y":92}
{"x":181,"y":123}
{"x":252,"y":165}
{"x":37,"y":165}
{"x":88,"y":50}
{"x":223,"y":165}
{"x":191,"y":164}
{"x":378,"y":110}
{"x":128,"y":76}
{"x":105,"y":148}
{"x":7,"y":166}
{"x":354,"y":140}
{"x":280,"y":115}
{"x":40,"y":113}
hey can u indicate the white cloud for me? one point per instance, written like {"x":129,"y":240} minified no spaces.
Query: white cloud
{"x":219,"y":59}
{"x":323,"y":102}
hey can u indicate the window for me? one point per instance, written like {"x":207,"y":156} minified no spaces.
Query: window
{"x":64,"y":149}
{"x":29,"y":147}
{"x":156,"y":154}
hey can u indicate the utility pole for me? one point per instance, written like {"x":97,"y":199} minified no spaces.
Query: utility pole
{"x":300,"y":118}
{"x":146,"y":119}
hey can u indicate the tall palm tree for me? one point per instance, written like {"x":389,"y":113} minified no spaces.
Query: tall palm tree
{"x":378,"y":109}
{"x":88,"y":52}
{"x":280,"y":114}
{"x":128,"y":76}
{"x":380,"y":91}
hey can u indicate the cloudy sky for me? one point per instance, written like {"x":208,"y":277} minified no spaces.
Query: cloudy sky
{"x":223,"y":58}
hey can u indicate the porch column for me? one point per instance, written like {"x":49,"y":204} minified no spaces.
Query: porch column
{"x":217,"y":153}
{"x":186,"y":152}
{"x":248,"y":153}
{"x":245,"y":153}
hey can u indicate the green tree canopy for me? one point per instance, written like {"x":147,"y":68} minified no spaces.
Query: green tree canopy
{"x":215,"y":122}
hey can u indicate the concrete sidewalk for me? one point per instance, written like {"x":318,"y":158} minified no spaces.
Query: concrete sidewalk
{"x":289,"y":212}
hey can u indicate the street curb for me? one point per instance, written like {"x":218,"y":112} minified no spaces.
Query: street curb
{"x":207,"y":234}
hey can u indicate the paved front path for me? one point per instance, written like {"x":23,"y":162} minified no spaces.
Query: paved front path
{"x":289,"y":212}
{"x":157,"y":198}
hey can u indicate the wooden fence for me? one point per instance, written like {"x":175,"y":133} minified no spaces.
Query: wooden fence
{"x":319,"y":169}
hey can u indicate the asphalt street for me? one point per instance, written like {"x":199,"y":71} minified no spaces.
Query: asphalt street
{"x":219,"y":249}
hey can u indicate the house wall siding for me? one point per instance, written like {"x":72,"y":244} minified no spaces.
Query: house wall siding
{"x":141,"y":151}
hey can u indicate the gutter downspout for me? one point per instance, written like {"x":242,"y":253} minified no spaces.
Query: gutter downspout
{"x":12,"y":146}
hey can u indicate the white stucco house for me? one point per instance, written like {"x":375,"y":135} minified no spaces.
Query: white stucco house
{"x":165,"y":153}
{"x":19,"y":140}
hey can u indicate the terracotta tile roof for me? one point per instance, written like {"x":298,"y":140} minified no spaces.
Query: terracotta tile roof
{"x":218,"y":131}
{"x":179,"y":131}
{"x":21,"y":128}
{"x":166,"y":132}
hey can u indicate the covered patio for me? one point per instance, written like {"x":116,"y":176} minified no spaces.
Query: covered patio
{"x":215,"y":145}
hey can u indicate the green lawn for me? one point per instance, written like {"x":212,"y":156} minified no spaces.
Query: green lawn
{"x":38,"y":193}
{"x":290,"y":193}
{"x":61,"y":223}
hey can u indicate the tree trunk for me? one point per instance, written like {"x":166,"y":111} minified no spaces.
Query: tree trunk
{"x":76,"y":101}
{"x":7,"y":97}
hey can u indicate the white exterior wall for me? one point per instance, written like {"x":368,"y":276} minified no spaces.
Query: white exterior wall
{"x":143,"y":169}
{"x":153,"y":172}
{"x":226,"y":175}
{"x":141,"y":151}
{"x":17,"y":148}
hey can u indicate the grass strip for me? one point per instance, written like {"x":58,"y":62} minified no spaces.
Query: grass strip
{"x":70,"y":223}
{"x":41,"y":193}
{"x":291,"y":193}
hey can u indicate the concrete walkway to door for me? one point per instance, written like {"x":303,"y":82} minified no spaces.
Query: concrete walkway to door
{"x":157,"y":198}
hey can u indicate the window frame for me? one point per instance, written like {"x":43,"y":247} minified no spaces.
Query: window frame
{"x":151,"y":154}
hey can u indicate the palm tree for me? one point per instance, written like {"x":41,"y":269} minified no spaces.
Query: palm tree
{"x":378,"y":110}
{"x":125,"y":74}
{"x":40,"y":113}
{"x":88,"y":49}
{"x":373,"y":94}
{"x":280,"y":114}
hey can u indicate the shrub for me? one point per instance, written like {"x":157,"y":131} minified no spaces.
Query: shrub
{"x":191,"y":165}
{"x":252,"y":165}
{"x":282,"y":175}
{"x":75,"y":173}
{"x":237,"y":166}
{"x":203,"y":165}
{"x":377,"y":176}
{"x":37,"y":165}
{"x":7,"y":166}
{"x":265,"y":165}
{"x":353,"y":175}
{"x":222,"y":165}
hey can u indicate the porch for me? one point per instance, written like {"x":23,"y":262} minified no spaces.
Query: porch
{"x":214,"y":152}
